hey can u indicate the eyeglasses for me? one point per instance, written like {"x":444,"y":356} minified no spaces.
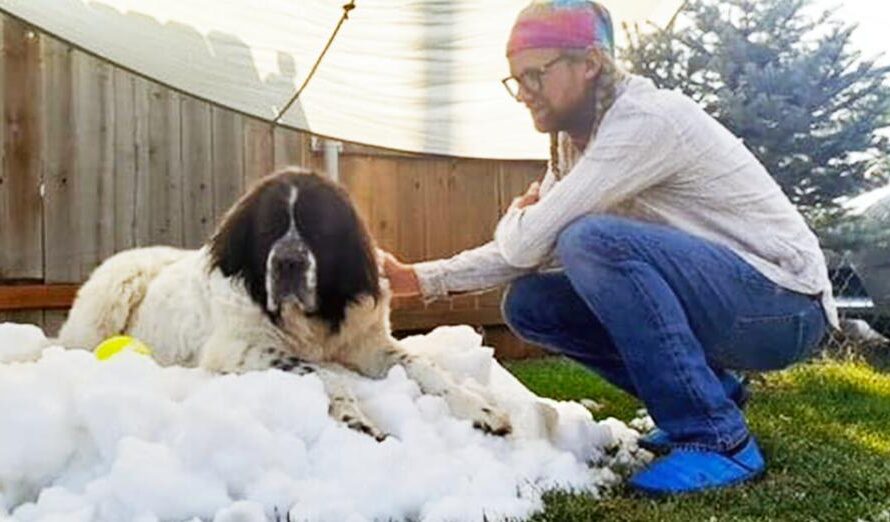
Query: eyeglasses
{"x":531,"y":79}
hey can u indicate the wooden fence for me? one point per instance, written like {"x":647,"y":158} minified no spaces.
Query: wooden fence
{"x":96,"y":159}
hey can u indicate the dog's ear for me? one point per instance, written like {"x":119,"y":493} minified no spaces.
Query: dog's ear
{"x":240,"y":246}
{"x":231,"y":243}
{"x":339,"y":239}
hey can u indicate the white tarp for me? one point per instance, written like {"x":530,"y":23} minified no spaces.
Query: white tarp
{"x":414,"y":75}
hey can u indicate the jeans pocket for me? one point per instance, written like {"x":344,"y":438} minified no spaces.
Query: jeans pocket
{"x":771,"y":342}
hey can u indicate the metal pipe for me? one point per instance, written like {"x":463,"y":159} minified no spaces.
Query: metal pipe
{"x":332,"y":150}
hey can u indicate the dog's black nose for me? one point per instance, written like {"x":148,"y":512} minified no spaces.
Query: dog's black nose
{"x":290,"y":265}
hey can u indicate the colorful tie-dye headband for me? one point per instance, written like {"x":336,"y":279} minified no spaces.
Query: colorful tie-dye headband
{"x":562,"y":24}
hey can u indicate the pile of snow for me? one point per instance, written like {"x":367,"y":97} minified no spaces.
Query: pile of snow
{"x":126,"y":439}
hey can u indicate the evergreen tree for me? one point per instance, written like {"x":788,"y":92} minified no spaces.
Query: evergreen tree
{"x":785,"y":79}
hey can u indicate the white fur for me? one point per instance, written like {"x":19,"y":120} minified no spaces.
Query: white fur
{"x":190,"y":316}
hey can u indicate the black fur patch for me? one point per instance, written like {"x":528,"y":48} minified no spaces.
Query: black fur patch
{"x":327,"y":221}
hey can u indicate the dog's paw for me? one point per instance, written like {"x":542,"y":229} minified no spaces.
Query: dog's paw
{"x":493,"y":422}
{"x":346,"y":410}
{"x":485,"y":417}
{"x":368,"y":429}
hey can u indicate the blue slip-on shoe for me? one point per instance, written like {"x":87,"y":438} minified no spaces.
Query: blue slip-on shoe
{"x":659,"y":442}
{"x":690,"y":470}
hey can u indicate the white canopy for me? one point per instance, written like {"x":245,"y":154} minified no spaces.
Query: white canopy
{"x":413,"y":75}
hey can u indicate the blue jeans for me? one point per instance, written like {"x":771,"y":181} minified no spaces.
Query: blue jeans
{"x":662,"y":315}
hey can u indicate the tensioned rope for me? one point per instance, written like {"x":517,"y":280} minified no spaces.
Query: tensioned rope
{"x":346,"y":8}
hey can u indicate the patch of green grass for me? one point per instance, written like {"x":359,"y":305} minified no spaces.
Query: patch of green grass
{"x":562,"y":379}
{"x":824,"y":428}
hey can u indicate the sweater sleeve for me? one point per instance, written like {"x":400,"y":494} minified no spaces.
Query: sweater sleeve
{"x":472,"y":270}
{"x":630,"y":155}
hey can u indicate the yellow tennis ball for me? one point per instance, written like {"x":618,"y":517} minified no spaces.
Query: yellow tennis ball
{"x":114,"y":345}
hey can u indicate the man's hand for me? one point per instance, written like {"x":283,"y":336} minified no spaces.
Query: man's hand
{"x":402,"y":278}
{"x":531,"y":196}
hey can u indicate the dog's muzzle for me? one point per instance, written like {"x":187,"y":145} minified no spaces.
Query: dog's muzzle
{"x":291,"y":275}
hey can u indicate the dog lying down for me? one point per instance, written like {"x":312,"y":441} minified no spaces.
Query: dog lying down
{"x":289,"y":280}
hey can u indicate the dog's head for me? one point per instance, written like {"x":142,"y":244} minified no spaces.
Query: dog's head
{"x":296,"y":240}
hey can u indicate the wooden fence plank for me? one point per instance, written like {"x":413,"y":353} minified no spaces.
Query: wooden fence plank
{"x":142,"y":138}
{"x":507,"y":345}
{"x":422,"y":319}
{"x":439,"y":212}
{"x":165,"y":168}
{"x":35,"y":297}
{"x":290,"y":148}
{"x":475,"y":193}
{"x":407,"y":198}
{"x":6,"y":241}
{"x":59,"y":162}
{"x":44,"y":305}
{"x":5,"y":193}
{"x":94,"y":164}
{"x":34,"y":317}
{"x":53,"y":321}
{"x":19,"y":244}
{"x":21,"y":222}
{"x":382,"y":175}
{"x":197,"y":164}
{"x":258,"y":150}
{"x":125,"y":159}
{"x":360,"y":187}
{"x":514,"y":177}
{"x":439,"y":216}
{"x":228,"y":160}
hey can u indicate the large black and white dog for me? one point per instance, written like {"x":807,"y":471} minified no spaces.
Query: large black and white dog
{"x":289,"y":280}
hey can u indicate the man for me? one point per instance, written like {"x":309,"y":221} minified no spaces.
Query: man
{"x":679,"y":256}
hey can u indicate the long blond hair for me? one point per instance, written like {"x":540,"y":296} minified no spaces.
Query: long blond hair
{"x":563,"y":153}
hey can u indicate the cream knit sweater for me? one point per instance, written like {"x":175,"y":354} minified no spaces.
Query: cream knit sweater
{"x":657,"y":157}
